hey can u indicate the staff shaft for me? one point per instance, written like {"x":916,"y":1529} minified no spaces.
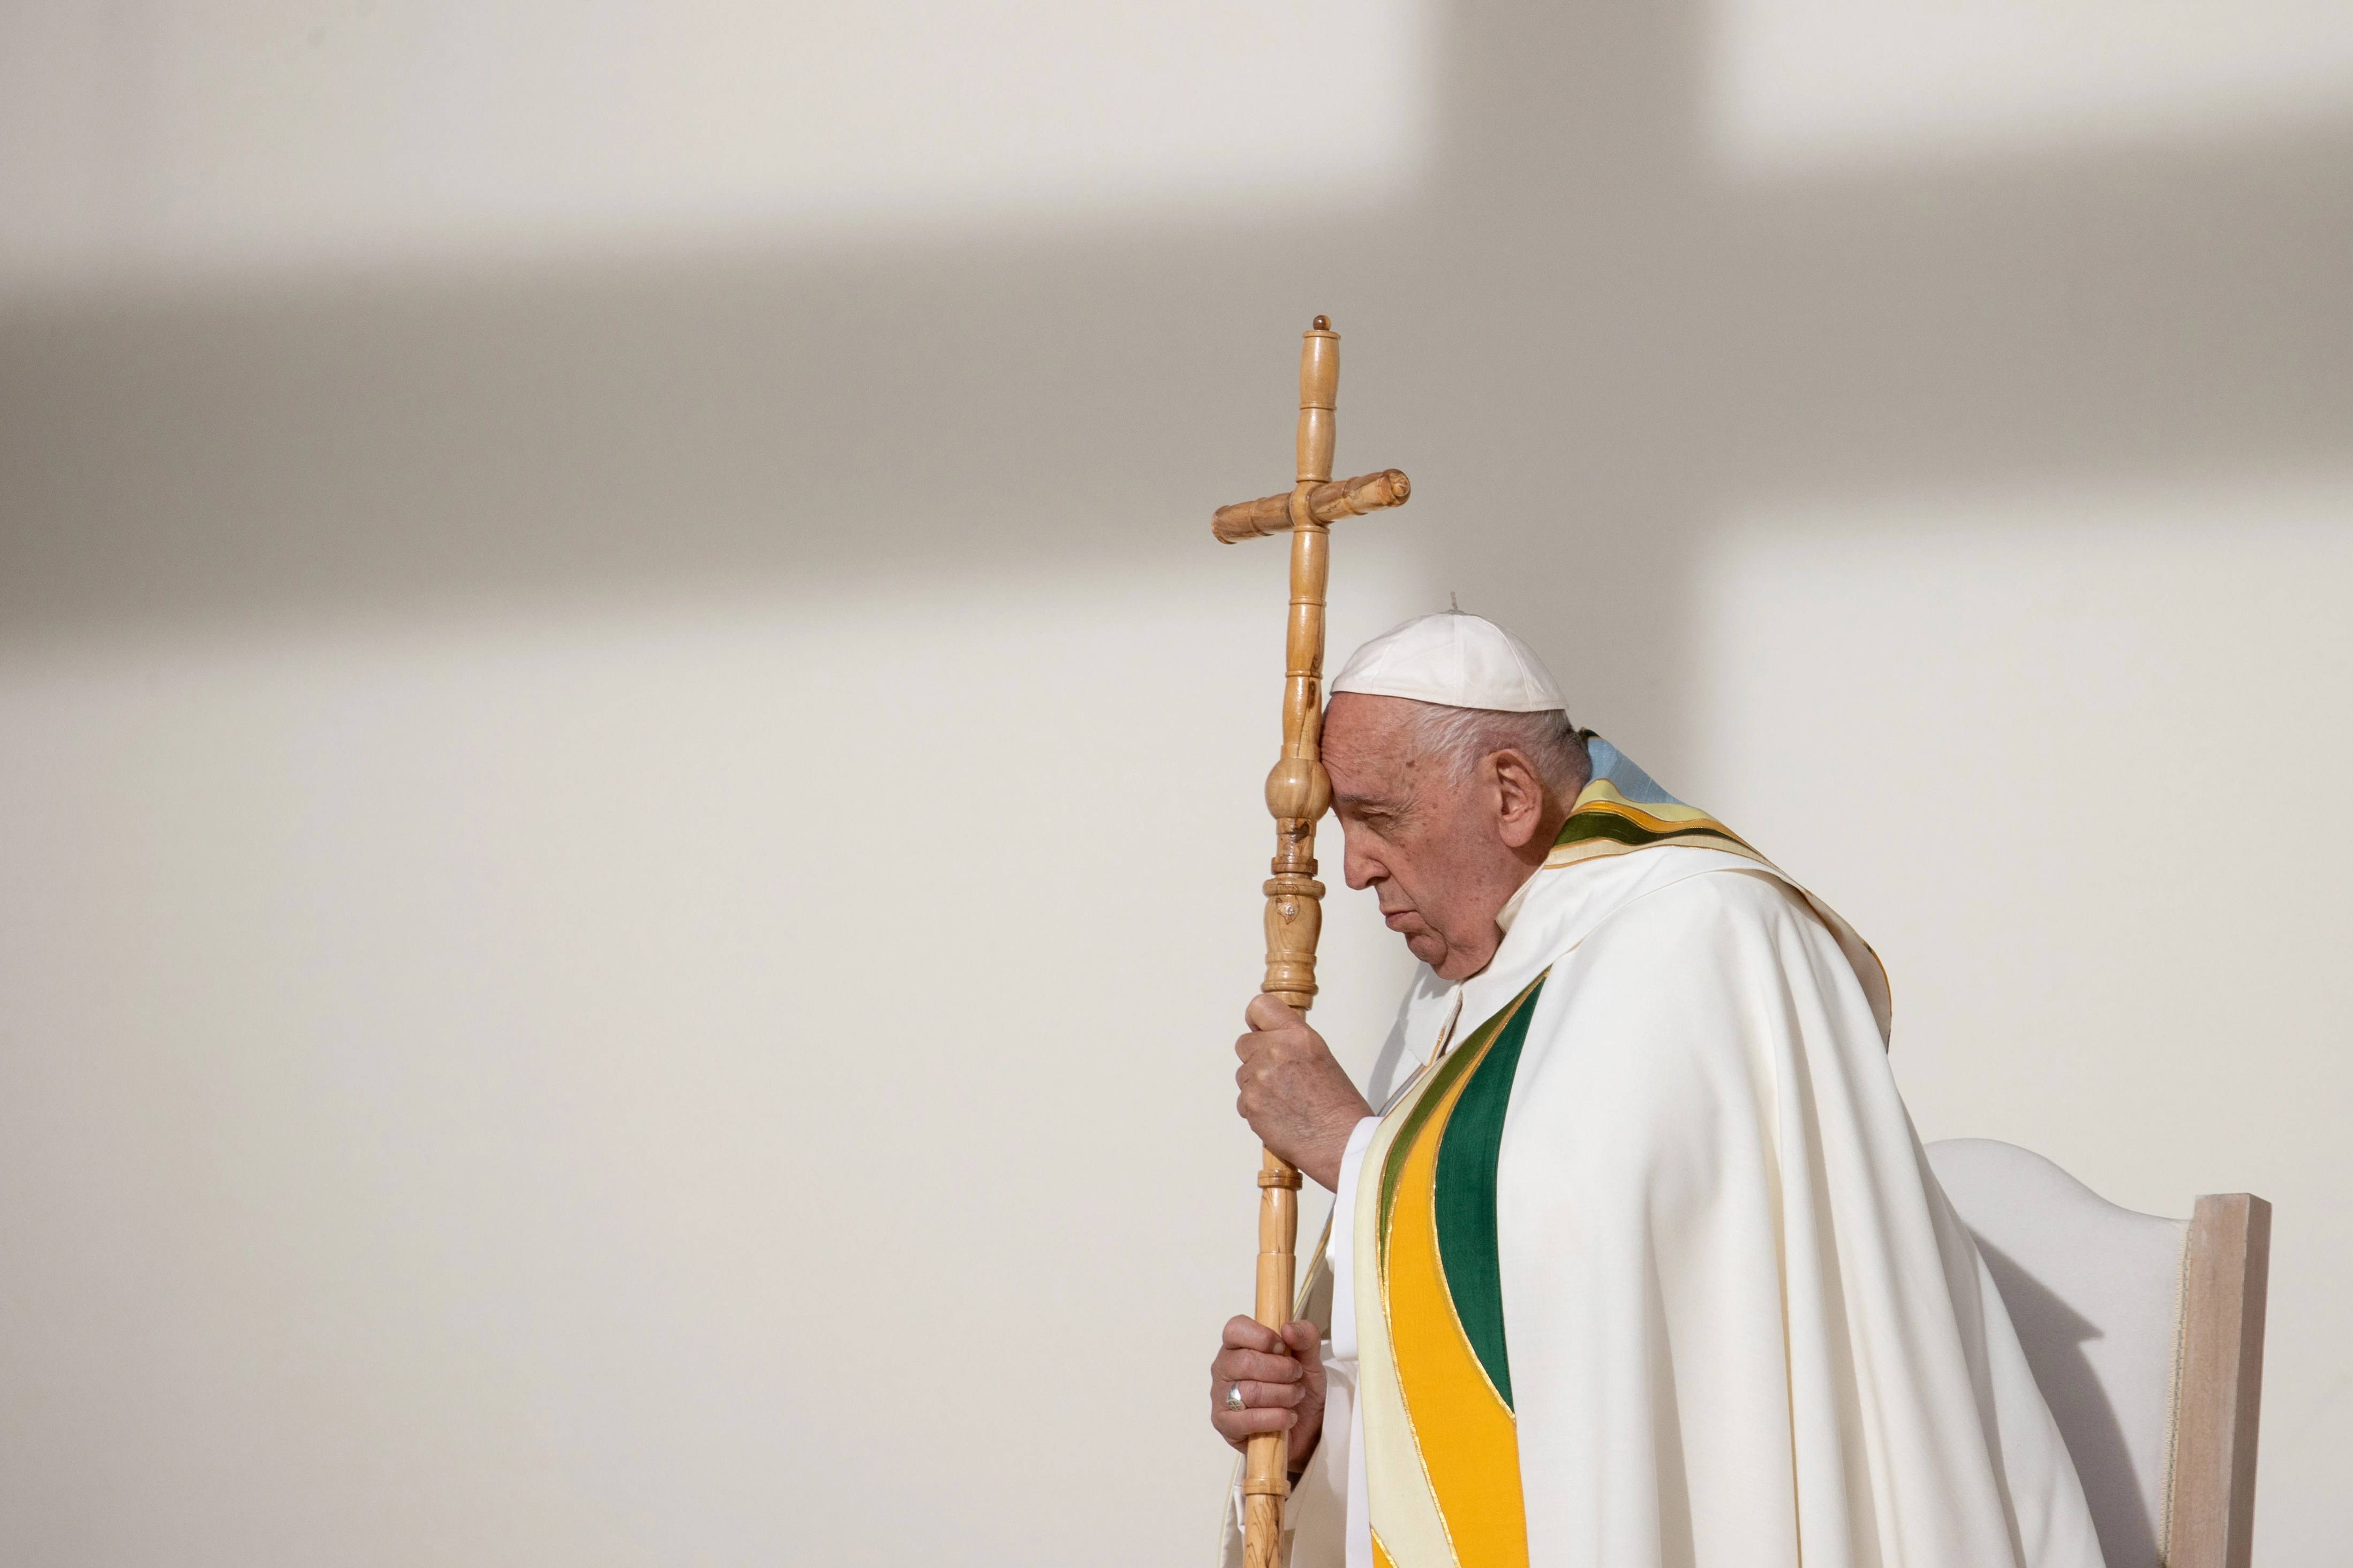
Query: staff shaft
{"x":1297,"y":792}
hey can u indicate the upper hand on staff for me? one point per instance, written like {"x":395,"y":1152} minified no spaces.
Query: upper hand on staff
{"x":1296,"y":1097}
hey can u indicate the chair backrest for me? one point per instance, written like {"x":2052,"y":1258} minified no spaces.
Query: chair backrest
{"x":2147,"y":1337}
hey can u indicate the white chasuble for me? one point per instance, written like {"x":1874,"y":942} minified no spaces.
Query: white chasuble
{"x":1647,"y":1269}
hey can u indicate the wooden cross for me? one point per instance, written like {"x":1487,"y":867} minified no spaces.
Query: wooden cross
{"x":1298,"y":791}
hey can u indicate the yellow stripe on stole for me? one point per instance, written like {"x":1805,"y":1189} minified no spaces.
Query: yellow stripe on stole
{"x":1651,"y":814}
{"x":1466,"y":1436}
{"x":1404,"y":1518}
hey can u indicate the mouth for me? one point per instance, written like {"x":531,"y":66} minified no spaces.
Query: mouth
{"x":1397,"y":921}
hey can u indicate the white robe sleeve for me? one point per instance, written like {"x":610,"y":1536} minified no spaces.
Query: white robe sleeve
{"x":1744,"y":1325}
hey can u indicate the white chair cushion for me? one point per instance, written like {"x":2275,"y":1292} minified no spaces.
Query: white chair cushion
{"x":2096,"y":1292}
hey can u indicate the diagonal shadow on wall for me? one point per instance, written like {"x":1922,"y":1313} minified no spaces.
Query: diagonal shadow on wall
{"x":1584,"y":339}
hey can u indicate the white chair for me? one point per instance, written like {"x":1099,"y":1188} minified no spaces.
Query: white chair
{"x":2147,"y":1337}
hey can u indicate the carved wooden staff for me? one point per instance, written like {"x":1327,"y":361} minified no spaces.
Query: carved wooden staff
{"x":1297,"y":792}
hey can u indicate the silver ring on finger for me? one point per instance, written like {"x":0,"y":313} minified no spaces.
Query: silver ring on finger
{"x":1234,"y":1397}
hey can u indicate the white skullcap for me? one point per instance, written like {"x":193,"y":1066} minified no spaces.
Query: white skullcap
{"x":1455,"y":660}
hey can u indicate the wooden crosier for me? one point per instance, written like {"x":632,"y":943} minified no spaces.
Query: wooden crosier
{"x":1297,"y":792}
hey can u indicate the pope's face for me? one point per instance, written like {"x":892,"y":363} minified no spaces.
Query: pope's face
{"x":1434,"y":847}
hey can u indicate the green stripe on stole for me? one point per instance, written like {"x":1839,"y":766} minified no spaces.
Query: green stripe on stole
{"x":1464,"y":1057}
{"x":1465,"y":1196}
{"x":1442,"y":1445}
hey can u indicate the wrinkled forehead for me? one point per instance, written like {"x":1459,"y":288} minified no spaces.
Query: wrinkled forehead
{"x":1369,"y":747}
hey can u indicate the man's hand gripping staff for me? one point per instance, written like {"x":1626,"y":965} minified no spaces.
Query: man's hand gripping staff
{"x":1301,"y":1103}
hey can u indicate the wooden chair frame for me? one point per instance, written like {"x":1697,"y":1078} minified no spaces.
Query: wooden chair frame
{"x":2217,"y":1385}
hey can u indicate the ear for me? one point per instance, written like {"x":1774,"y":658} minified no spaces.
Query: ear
{"x":1519,"y":798}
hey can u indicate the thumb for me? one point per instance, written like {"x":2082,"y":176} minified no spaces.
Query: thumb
{"x":1267,"y":1012}
{"x":1305,"y":1342}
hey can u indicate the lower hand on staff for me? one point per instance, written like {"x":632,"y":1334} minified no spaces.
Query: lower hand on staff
{"x":1278,"y":1392}
{"x":1296,"y":1097}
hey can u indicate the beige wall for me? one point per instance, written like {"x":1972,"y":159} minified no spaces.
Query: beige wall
{"x":628,"y":823}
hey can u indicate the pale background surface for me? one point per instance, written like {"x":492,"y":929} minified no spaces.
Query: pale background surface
{"x":628,"y":779}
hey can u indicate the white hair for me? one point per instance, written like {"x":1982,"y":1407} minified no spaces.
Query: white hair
{"x":1463,"y":738}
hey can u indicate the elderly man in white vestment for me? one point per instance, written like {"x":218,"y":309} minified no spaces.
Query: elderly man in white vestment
{"x":1643,"y":1266}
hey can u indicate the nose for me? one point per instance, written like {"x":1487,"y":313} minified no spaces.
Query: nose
{"x":1356,"y":864}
